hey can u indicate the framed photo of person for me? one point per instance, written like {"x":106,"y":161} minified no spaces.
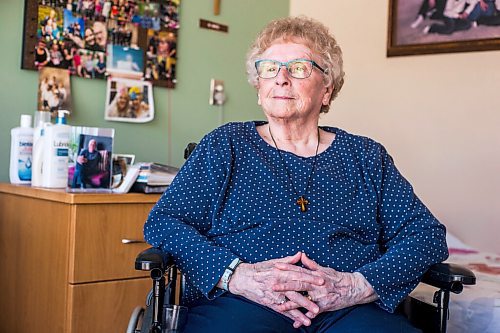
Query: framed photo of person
{"x":90,"y":159}
{"x":442,"y":26}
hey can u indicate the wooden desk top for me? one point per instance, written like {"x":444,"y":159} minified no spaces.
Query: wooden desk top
{"x":61,"y":195}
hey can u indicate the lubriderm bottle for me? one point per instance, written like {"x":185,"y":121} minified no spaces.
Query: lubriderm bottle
{"x":55,"y":152}
{"x":21,"y":152}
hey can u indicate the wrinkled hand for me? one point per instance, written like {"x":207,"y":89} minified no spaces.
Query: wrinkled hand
{"x":266,"y":284}
{"x":339,"y":291}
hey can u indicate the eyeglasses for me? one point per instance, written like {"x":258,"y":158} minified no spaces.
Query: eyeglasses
{"x":297,"y":68}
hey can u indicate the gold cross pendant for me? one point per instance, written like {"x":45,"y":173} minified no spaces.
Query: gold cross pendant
{"x":302,"y":202}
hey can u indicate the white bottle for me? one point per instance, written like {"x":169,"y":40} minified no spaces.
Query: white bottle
{"x":55,"y":153}
{"x":41,"y":119}
{"x":21,"y":152}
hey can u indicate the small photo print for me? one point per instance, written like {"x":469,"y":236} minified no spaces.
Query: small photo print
{"x":73,"y":27}
{"x":169,"y":14}
{"x":161,"y":56}
{"x":48,"y":50}
{"x":127,"y":158}
{"x":150,"y":17}
{"x":90,"y":159}
{"x":50,"y":23}
{"x":121,"y":10}
{"x":123,"y":33}
{"x":89,"y":64}
{"x":95,"y":36}
{"x":129,"y":100}
{"x":54,"y":90}
{"x":124,"y":60}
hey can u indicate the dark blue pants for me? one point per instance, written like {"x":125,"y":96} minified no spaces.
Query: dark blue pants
{"x":229,"y":313}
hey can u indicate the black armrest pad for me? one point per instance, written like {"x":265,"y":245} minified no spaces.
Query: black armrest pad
{"x":153,"y":258}
{"x":449,"y":276}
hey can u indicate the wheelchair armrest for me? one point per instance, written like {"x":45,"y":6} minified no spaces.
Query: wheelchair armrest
{"x":450,"y":277}
{"x":152,"y":258}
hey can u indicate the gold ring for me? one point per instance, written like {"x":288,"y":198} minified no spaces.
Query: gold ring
{"x":309,"y":297}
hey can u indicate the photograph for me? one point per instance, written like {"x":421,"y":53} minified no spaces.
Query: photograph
{"x":125,"y":60}
{"x":169,"y":14}
{"x":95,"y":36}
{"x":73,"y":27}
{"x":161,"y":56}
{"x":50,"y":23}
{"x":128,"y":159}
{"x":54,"y":90}
{"x":90,"y":165}
{"x":129,"y":100}
{"x":441,"y":26}
{"x":122,"y":33}
{"x":89,"y":64}
{"x":121,"y":165}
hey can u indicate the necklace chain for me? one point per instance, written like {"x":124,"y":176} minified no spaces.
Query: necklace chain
{"x":302,"y":200}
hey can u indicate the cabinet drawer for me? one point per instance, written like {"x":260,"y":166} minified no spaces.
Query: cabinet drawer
{"x":105,"y":307}
{"x":97,"y":252}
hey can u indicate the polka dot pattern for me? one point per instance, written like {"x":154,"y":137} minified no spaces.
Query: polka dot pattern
{"x":232,"y":198}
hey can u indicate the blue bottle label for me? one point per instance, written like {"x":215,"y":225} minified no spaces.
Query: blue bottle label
{"x":25,"y":150}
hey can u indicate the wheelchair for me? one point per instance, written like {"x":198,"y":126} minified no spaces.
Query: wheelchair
{"x":168,"y":286}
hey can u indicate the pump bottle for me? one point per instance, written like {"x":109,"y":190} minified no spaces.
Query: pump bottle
{"x":21,"y":152}
{"x":55,"y":152}
{"x":41,"y":119}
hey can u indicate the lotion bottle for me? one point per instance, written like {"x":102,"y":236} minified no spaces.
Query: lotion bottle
{"x":41,"y":119}
{"x":55,"y":152}
{"x":21,"y":152}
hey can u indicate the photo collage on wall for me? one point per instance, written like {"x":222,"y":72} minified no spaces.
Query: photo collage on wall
{"x":97,"y":38}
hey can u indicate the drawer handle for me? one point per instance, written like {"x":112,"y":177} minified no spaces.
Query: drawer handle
{"x":132,"y":241}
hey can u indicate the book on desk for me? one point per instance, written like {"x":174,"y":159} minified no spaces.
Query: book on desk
{"x":154,"y":177}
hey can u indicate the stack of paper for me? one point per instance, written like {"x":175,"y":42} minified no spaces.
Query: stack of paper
{"x":154,"y":177}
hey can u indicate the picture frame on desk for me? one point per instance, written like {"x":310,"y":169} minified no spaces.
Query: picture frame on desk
{"x":90,"y":159}
{"x":129,"y":159}
{"x":124,"y":172}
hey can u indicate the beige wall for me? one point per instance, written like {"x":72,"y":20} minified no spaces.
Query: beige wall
{"x":438,"y":115}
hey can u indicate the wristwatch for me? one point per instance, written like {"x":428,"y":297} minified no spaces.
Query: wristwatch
{"x":228,"y":273}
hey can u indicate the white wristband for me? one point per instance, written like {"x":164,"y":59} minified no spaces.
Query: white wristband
{"x":228,"y":273}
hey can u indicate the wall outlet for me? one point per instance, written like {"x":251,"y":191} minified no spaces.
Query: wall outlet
{"x":217,"y":92}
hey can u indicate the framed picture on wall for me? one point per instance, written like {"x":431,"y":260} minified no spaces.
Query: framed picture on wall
{"x":442,"y":26}
{"x":77,"y":35}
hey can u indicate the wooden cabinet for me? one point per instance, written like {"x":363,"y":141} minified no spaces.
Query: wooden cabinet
{"x":65,"y":263}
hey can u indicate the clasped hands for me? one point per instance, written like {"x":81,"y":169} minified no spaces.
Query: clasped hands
{"x":285,"y":287}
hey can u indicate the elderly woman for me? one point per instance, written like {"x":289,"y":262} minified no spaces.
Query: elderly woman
{"x":285,"y":226}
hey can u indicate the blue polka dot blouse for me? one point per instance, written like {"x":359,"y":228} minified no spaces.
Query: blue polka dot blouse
{"x":233,"y":198}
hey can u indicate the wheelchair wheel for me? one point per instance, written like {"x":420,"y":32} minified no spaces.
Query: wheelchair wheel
{"x":134,"y":324}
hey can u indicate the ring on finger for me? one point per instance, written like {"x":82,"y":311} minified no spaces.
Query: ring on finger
{"x":284,"y":300}
{"x":309,"y":297}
